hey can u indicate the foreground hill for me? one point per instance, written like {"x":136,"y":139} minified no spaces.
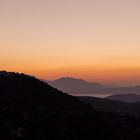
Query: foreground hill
{"x":32,"y":110}
{"x":112,"y":105}
{"x":130,"y":98}
{"x":106,"y":104}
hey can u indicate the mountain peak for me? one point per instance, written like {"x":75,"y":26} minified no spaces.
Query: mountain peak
{"x":75,"y":86}
{"x":71,"y":79}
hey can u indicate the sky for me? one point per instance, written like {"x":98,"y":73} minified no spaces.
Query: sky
{"x":96,"y":40}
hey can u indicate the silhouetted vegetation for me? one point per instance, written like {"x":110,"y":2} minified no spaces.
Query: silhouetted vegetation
{"x":112,"y":105}
{"x":32,"y":110}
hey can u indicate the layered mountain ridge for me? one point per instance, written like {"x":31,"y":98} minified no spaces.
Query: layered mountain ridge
{"x":31,"y":109}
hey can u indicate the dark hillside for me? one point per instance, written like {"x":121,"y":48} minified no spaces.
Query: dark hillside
{"x":32,"y":110}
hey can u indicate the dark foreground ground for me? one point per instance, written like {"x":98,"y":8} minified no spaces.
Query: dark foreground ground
{"x":32,"y":110}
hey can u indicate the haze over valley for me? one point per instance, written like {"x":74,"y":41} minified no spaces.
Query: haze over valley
{"x":81,"y":87}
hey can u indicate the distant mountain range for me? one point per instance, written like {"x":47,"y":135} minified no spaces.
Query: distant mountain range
{"x":81,"y":87}
{"x":77,"y":86}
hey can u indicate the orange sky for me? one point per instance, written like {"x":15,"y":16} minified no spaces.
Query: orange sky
{"x":98,"y":40}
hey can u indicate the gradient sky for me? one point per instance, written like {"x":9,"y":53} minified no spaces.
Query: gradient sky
{"x":98,"y":40}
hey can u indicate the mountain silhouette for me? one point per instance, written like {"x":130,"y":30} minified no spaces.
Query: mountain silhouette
{"x":106,"y":104}
{"x":32,"y":110}
{"x":81,"y":87}
{"x":125,"y":90}
{"x":130,"y":98}
{"x":112,"y":105}
{"x":76,"y":86}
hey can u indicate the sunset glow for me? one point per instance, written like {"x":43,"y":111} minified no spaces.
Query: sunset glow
{"x":97,"y":40}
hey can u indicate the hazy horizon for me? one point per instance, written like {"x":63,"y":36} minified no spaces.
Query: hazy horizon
{"x":114,"y":83}
{"x":95,"y":40}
